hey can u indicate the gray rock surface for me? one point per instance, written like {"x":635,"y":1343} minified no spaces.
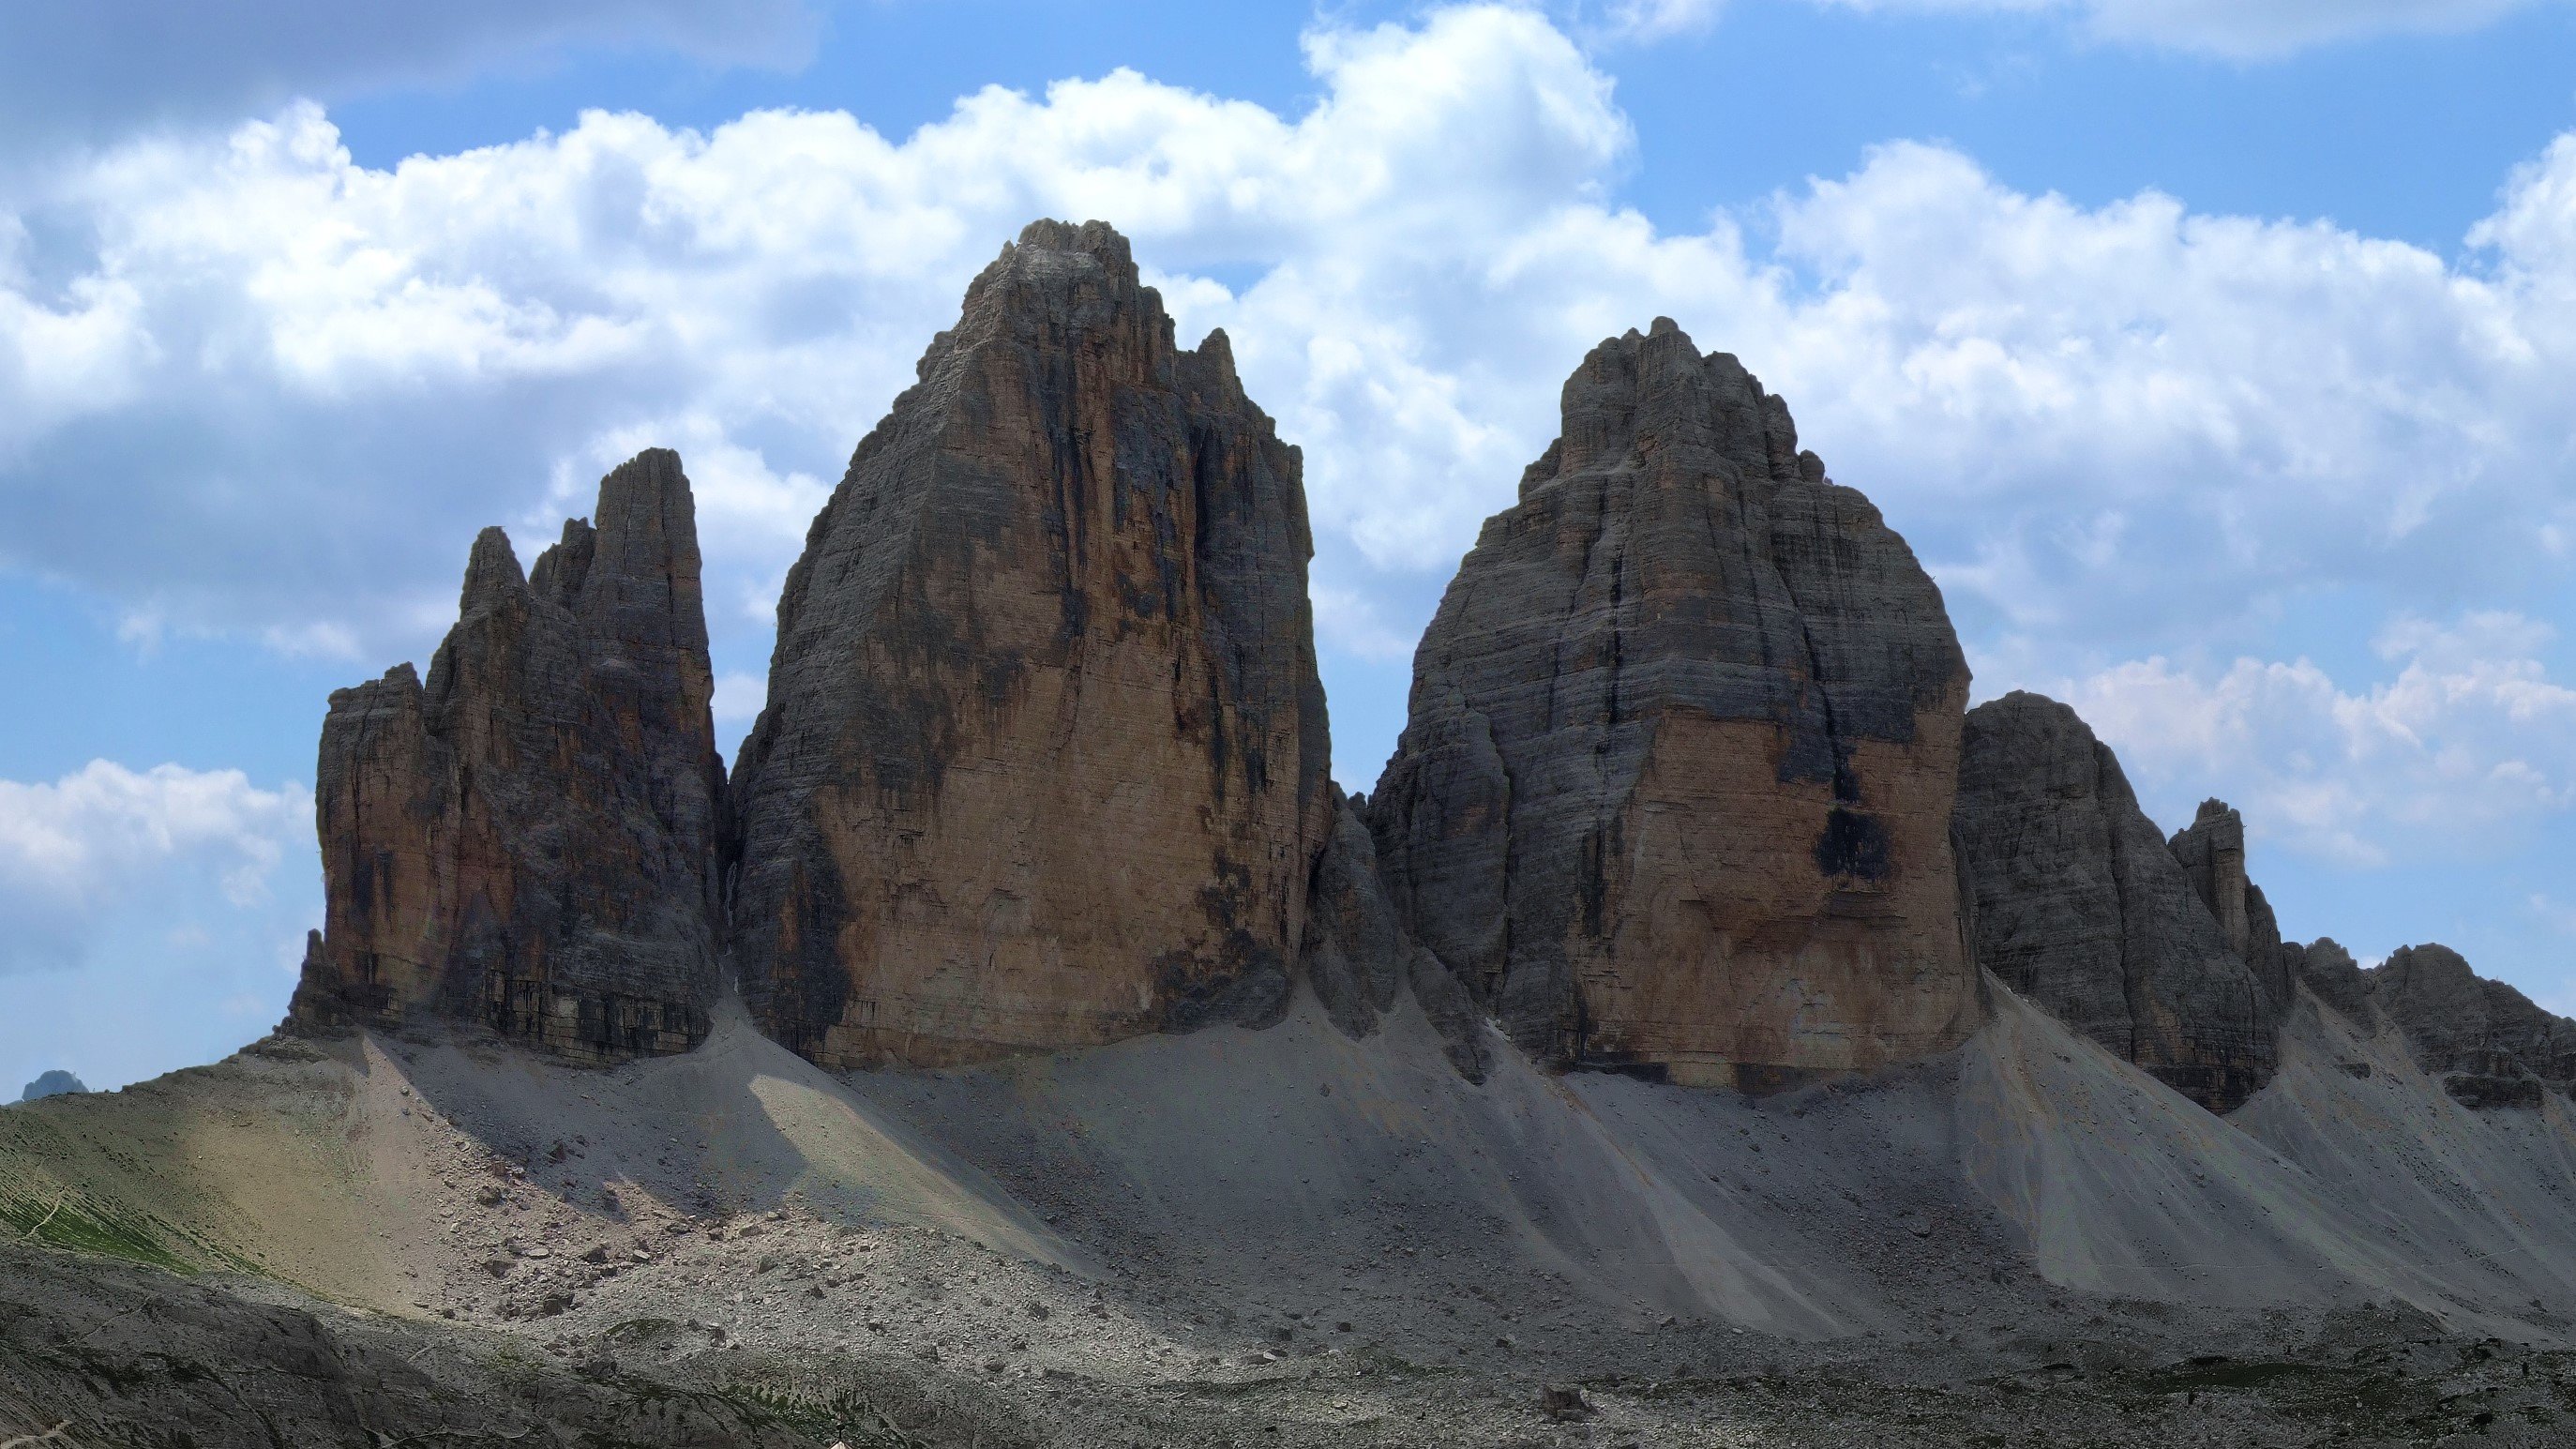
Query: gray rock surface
{"x":1360,"y":958}
{"x":2081,"y":907}
{"x":54,"y":1083}
{"x":2325,"y":968}
{"x":1044,"y":757}
{"x":2212,"y":852}
{"x":529,"y":841}
{"x":2486,"y":1042}
{"x":1673,"y":794}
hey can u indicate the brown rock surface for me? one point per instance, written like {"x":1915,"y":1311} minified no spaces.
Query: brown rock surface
{"x":1674,"y":793}
{"x":2081,"y":906}
{"x":1044,"y":757}
{"x":528,"y":842}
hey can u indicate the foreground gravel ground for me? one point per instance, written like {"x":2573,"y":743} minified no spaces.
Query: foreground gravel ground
{"x":100,"y":1353}
{"x":1278,"y":1238}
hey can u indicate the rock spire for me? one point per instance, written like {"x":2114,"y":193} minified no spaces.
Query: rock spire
{"x":1674,"y":791}
{"x":529,"y":841}
{"x":1044,"y":757}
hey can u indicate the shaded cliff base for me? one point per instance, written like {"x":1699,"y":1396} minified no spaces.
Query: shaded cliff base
{"x":1162,"y":1242}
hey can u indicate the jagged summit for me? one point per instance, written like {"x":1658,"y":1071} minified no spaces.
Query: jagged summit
{"x":528,"y":841}
{"x":2488,"y":1044}
{"x":1044,"y":757}
{"x":1674,"y":791}
{"x":2082,"y":905}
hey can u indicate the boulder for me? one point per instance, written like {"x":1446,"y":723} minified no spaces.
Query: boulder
{"x":529,"y":840}
{"x":1043,"y":762}
{"x":1673,"y":795}
{"x":2081,"y":906}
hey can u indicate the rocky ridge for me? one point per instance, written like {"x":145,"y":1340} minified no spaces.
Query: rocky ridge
{"x":1673,"y":794}
{"x":528,"y":842}
{"x":1686,"y":789}
{"x":2487,"y":1043}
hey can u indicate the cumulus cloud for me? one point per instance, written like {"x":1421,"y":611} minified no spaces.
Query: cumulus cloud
{"x":246,"y":384}
{"x":74,"y":851}
{"x":2468,"y":742}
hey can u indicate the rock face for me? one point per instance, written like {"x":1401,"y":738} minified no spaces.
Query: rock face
{"x":2487,"y":1042}
{"x":1360,"y":958}
{"x":2212,"y":852}
{"x":1674,"y":793}
{"x":2081,"y":906}
{"x":530,"y":840}
{"x":1044,"y":757}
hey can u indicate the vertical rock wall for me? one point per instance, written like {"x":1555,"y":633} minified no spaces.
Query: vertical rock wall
{"x":2081,"y":906}
{"x":529,"y":840}
{"x":1044,"y":757}
{"x":1674,"y":792}
{"x":2212,"y":852}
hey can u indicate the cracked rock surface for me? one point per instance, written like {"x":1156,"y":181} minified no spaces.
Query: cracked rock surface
{"x":1044,"y":757}
{"x":528,"y":841}
{"x":2081,"y":907}
{"x":1673,"y":794}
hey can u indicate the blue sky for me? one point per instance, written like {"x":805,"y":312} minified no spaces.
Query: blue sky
{"x":2212,"y":355}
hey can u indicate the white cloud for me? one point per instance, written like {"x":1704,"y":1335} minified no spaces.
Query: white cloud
{"x":2468,"y":743}
{"x":299,"y":384}
{"x":75,"y":850}
{"x":2236,"y":29}
{"x":739,"y":697}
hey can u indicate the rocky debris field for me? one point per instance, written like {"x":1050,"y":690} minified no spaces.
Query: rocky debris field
{"x":98,"y":1353}
{"x":1276,"y":1237}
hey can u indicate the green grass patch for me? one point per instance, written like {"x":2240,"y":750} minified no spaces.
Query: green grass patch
{"x":71,"y":1223}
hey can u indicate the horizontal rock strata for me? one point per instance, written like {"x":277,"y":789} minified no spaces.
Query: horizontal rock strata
{"x":2082,"y":907}
{"x":529,"y":840}
{"x":1674,"y":791}
{"x":1044,"y":757}
{"x":2489,"y":1045}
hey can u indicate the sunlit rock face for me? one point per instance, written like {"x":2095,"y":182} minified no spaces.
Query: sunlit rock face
{"x":529,"y":841}
{"x":1044,"y":757}
{"x":2082,"y":906}
{"x":1674,"y":794}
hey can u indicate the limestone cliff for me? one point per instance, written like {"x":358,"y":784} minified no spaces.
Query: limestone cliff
{"x":528,"y":841}
{"x":2487,"y":1042}
{"x":2212,"y":852}
{"x":1674,"y":792}
{"x":1360,"y":958}
{"x":1044,"y":757}
{"x":2082,"y":906}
